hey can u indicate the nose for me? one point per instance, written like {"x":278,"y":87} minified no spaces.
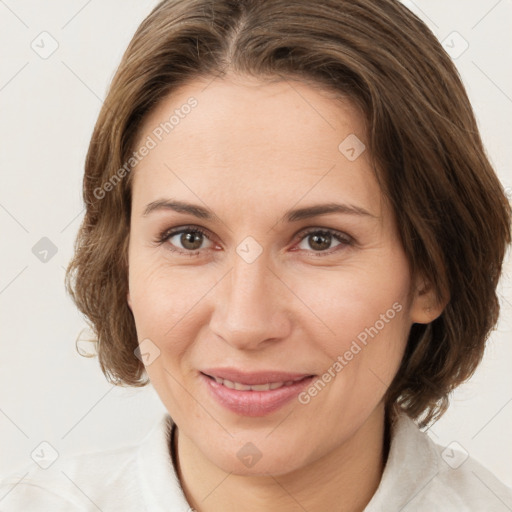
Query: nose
{"x":251,"y":306}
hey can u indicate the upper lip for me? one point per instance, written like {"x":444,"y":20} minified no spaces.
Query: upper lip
{"x":253,"y":378}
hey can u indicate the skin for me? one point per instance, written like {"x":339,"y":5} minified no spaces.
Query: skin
{"x":249,"y":152}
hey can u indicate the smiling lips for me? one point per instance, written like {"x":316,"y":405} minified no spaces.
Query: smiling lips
{"x":255,"y":393}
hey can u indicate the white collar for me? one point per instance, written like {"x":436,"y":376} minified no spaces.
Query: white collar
{"x":159,"y":483}
{"x":411,"y":464}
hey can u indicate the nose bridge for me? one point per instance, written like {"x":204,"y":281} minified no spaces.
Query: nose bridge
{"x":250,"y":310}
{"x":248,"y":284}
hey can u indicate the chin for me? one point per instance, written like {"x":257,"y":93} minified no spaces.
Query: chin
{"x":248,"y":460}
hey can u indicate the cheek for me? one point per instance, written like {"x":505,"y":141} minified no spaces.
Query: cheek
{"x":367,"y":311}
{"x":166,"y":301}
{"x":165,"y":308}
{"x":359,"y":303}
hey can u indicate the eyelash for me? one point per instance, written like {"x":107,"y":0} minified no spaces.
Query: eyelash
{"x":344,"y":239}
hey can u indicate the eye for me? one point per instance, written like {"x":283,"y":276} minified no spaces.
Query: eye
{"x":188,"y":240}
{"x":184,"y":240}
{"x":318,"y":240}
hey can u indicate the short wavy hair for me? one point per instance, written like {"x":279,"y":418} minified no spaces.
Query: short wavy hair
{"x":452,"y":213}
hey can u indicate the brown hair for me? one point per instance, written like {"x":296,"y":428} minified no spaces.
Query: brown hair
{"x":452,"y":213}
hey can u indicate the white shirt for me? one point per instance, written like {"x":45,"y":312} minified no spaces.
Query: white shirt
{"x":419,"y":477}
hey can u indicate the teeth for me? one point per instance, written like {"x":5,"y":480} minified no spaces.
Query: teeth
{"x":241,"y":387}
{"x":257,"y":387}
{"x":228,"y":384}
{"x":261,"y":387}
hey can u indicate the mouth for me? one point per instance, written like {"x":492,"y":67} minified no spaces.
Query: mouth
{"x":253,"y":393}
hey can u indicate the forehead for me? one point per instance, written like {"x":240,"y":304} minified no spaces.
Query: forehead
{"x":245,"y":140}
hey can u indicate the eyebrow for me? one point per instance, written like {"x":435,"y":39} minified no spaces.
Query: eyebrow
{"x":289,"y":216}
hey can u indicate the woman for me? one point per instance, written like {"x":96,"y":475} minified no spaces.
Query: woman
{"x":293,"y":229}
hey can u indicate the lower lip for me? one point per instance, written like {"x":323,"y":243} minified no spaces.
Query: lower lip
{"x":254,"y":403}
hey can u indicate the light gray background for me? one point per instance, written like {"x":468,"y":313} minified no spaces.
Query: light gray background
{"x":48,"y":110}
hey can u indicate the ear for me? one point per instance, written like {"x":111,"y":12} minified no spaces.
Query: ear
{"x":425,"y":307}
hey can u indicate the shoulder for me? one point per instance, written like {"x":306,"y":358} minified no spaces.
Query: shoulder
{"x":82,"y":482}
{"x":466,"y":483}
{"x":128,"y":479}
{"x":422,"y":476}
{"x":77,"y":482}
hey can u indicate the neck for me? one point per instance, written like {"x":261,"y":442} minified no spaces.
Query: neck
{"x":343,"y":480}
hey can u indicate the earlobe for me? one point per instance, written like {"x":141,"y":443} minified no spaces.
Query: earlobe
{"x":425,"y":307}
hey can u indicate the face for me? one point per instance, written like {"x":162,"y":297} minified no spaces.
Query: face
{"x":239,"y":275}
